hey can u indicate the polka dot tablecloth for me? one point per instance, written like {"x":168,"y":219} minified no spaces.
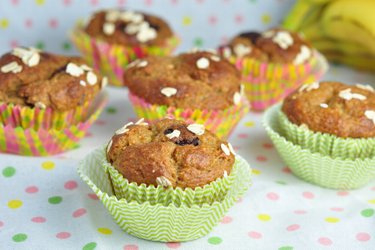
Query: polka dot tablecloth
{"x":45,"y":205}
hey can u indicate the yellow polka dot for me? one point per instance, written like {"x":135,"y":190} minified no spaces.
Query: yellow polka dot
{"x":264,"y":217}
{"x":186,"y":21}
{"x":255,"y":171}
{"x":48,"y":165}
{"x":332,"y":220}
{"x":266,"y":18}
{"x":40,"y":2}
{"x":4,"y":23}
{"x":371,"y":201}
{"x":104,"y":230}
{"x":14,"y":204}
{"x":249,"y":124}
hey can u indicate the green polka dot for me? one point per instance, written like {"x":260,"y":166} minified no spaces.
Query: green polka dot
{"x":66,"y":46}
{"x":19,"y":237}
{"x":89,"y":246}
{"x":367,"y":212}
{"x":286,"y":248}
{"x":215,"y":240}
{"x":281,"y":182}
{"x":111,"y":110}
{"x":198,"y":42}
{"x":55,"y":200}
{"x":9,"y":171}
{"x":40,"y":45}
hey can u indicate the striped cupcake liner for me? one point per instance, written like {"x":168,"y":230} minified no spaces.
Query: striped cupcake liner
{"x":157,"y":222}
{"x":326,"y":144}
{"x":215,"y":191}
{"x":219,"y":122}
{"x":112,"y":59}
{"x":317,"y":168}
{"x":267,"y":83}
{"x":42,"y":142}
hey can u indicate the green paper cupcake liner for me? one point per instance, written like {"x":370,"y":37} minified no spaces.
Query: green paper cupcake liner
{"x":215,"y":191}
{"x":158,"y":222}
{"x":326,"y":144}
{"x":316,"y":168}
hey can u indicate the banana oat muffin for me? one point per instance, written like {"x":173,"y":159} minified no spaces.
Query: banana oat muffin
{"x":274,"y":45}
{"x":169,"y":153}
{"x":196,"y":80}
{"x":128,"y":28}
{"x":334,"y":108}
{"x":29,"y":77}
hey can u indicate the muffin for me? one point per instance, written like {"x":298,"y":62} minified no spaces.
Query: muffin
{"x":113,"y":38}
{"x":43,"y":91}
{"x":198,"y":86}
{"x":178,"y":179}
{"x":273,"y":63}
{"x":325,"y":133}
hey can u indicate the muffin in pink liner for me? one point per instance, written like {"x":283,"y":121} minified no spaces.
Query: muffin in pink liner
{"x":46,"y":99}
{"x":199,"y":87}
{"x":114,"y":38}
{"x":273,"y":64}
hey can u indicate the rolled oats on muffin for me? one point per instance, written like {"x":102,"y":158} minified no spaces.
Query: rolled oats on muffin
{"x":113,"y":38}
{"x":169,"y":153}
{"x":199,"y":86}
{"x":273,"y":63}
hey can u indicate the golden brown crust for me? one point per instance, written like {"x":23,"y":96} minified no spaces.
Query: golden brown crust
{"x":145,"y":152}
{"x":212,"y":87}
{"x":46,"y":84}
{"x":326,"y":108}
{"x":119,"y":35}
{"x":274,"y":45}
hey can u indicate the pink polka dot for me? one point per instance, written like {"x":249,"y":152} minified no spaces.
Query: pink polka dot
{"x":212,"y":20}
{"x":254,"y":235}
{"x":15,"y":2}
{"x":300,"y":211}
{"x":100,"y":122}
{"x":174,"y":1}
{"x":261,"y":158}
{"x":308,"y":195}
{"x":226,"y":220}
{"x":13,"y":43}
{"x":242,"y":135}
{"x":286,"y":170}
{"x":239,"y":18}
{"x":53,"y":23}
{"x":363,"y":236}
{"x":88,"y":134}
{"x":267,"y":145}
{"x":79,"y":212}
{"x":273,"y":196}
{"x":148,"y":2}
{"x":337,"y":209}
{"x":63,"y":235}
{"x":38,"y":219}
{"x":325,"y":241}
{"x":121,"y":2}
{"x":173,"y":245}
{"x":342,"y":193}
{"x":373,"y":188}
{"x":67,"y":2}
{"x":1,"y":223}
{"x":31,"y":189}
{"x":224,"y":40}
{"x":293,"y":227}
{"x":130,"y":247}
{"x":70,"y":185}
{"x":94,"y":2}
{"x":93,"y":196}
{"x":28,"y":23}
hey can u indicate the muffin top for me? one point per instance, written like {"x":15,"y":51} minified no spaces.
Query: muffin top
{"x":197,"y":80}
{"x":128,"y":28}
{"x":274,"y":45}
{"x":29,"y":77}
{"x":169,"y":153}
{"x":333,"y":108}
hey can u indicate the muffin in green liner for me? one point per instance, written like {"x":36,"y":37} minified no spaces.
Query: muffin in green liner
{"x":326,"y":144}
{"x":155,"y":221}
{"x":316,"y":168}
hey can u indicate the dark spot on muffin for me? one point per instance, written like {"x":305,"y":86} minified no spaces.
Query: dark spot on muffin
{"x":184,"y":142}
{"x":168,"y":131}
{"x":252,"y":36}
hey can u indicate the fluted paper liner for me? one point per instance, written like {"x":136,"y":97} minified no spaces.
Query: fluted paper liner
{"x":112,"y":59}
{"x":219,"y":122}
{"x":316,"y":168}
{"x":42,"y":142}
{"x":158,"y":222}
{"x":326,"y":144}
{"x":268,"y":83}
{"x":215,"y":191}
